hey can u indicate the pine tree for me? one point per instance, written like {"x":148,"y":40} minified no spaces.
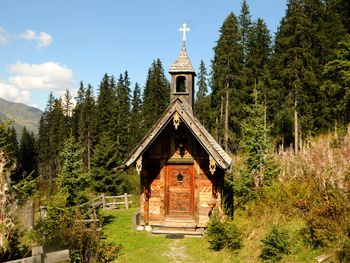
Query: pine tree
{"x":106,"y":105}
{"x":103,"y":176}
{"x":202,"y":103}
{"x":228,"y":83}
{"x":245,"y":25}
{"x":336,"y":85}
{"x":71,"y":180}
{"x":258,"y":51}
{"x":156,"y":94}
{"x":27,"y":156}
{"x":135,"y":125}
{"x":293,"y":68}
{"x":123,"y":116}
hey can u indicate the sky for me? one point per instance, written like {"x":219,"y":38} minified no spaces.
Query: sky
{"x":50,"y":46}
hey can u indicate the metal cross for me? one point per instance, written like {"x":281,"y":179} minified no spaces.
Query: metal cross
{"x":184,"y":29}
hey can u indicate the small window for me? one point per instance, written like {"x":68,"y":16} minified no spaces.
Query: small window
{"x":181,"y":84}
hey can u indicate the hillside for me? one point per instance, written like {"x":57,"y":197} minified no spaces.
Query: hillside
{"x":22,"y":115}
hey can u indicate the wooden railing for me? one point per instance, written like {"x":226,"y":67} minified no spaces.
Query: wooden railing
{"x":111,"y":202}
{"x":39,"y":256}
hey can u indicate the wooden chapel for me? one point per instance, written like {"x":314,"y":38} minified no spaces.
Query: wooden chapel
{"x":180,"y":164}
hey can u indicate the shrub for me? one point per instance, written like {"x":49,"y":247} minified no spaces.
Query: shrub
{"x":223,"y":234}
{"x":233,"y":236}
{"x":343,"y":254}
{"x":216,"y":233}
{"x":275,"y":245}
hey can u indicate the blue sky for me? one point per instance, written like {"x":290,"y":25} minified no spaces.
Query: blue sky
{"x":53,"y":45}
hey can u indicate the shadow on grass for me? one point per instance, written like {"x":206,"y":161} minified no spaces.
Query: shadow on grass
{"x":108,"y":219}
{"x":174,"y":236}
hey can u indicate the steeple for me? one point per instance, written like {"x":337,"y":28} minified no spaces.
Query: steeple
{"x":182,"y":74}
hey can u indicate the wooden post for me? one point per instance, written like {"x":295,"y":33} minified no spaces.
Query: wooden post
{"x":126,"y":201}
{"x":103,"y":197}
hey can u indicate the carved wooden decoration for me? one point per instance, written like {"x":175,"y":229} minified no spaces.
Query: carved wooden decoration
{"x":176,"y":120}
{"x":180,"y":190}
{"x":212,"y":165}
{"x":139,"y":165}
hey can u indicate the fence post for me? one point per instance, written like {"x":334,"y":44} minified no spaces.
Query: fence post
{"x":37,"y":252}
{"x":126,"y":201}
{"x":103,"y":201}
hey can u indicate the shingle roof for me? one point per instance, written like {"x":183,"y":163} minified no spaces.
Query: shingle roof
{"x":221,"y":158}
{"x":182,"y":63}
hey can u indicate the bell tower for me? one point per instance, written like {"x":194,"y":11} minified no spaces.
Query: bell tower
{"x":182,"y":74}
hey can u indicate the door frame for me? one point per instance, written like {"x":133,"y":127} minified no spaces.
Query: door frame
{"x":191,"y":214}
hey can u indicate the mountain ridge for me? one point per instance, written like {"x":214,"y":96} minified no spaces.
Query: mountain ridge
{"x":22,"y":115}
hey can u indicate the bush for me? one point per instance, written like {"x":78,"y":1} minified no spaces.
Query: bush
{"x":275,"y":245}
{"x":343,"y":254}
{"x":233,"y":236}
{"x":223,"y":234}
{"x":216,"y":233}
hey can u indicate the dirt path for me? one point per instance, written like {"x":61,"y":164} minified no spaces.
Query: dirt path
{"x":177,"y":253}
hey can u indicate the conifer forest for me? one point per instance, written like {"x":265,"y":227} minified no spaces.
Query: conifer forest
{"x":279,"y":104}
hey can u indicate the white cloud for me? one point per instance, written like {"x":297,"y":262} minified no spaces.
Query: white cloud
{"x":43,"y":39}
{"x":29,"y":35}
{"x":4,"y":37}
{"x":11,"y":93}
{"x":47,"y":76}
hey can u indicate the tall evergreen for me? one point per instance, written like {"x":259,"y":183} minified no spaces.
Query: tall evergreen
{"x":294,"y":71}
{"x":123,"y":116}
{"x":202,"y":102}
{"x":87,"y":125}
{"x":258,"y":51}
{"x":156,"y":94}
{"x":106,"y":105}
{"x":245,"y":25}
{"x":135,"y":125}
{"x":44,"y":157}
{"x":336,"y":85}
{"x":27,"y":154}
{"x":228,"y":84}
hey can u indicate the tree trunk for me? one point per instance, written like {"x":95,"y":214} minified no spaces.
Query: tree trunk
{"x":226,"y":123}
{"x":89,"y":152}
{"x":296,"y":128}
{"x":221,"y":119}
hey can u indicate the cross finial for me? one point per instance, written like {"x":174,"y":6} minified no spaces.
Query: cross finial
{"x":184,"y":29}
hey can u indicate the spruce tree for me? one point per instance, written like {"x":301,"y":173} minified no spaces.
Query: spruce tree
{"x":106,"y":105}
{"x":228,"y":84}
{"x":135,"y":124}
{"x":27,"y":154}
{"x":123,"y":116}
{"x":336,"y":85}
{"x":71,"y":180}
{"x":156,"y":94}
{"x":294,"y":70}
{"x":202,"y":103}
{"x":87,"y":125}
{"x":258,"y":51}
{"x":245,"y":25}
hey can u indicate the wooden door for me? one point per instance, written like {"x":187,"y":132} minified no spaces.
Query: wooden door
{"x":179,"y":192}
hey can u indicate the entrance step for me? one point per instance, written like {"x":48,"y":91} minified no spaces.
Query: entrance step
{"x":161,"y":231}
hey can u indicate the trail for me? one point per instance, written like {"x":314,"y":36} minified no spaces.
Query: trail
{"x":177,"y":253}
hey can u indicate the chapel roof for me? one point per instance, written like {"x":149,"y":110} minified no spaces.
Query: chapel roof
{"x":182,"y":63}
{"x":221,"y":158}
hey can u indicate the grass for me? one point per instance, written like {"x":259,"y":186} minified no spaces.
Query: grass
{"x":140,"y":246}
{"x":136,"y":246}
